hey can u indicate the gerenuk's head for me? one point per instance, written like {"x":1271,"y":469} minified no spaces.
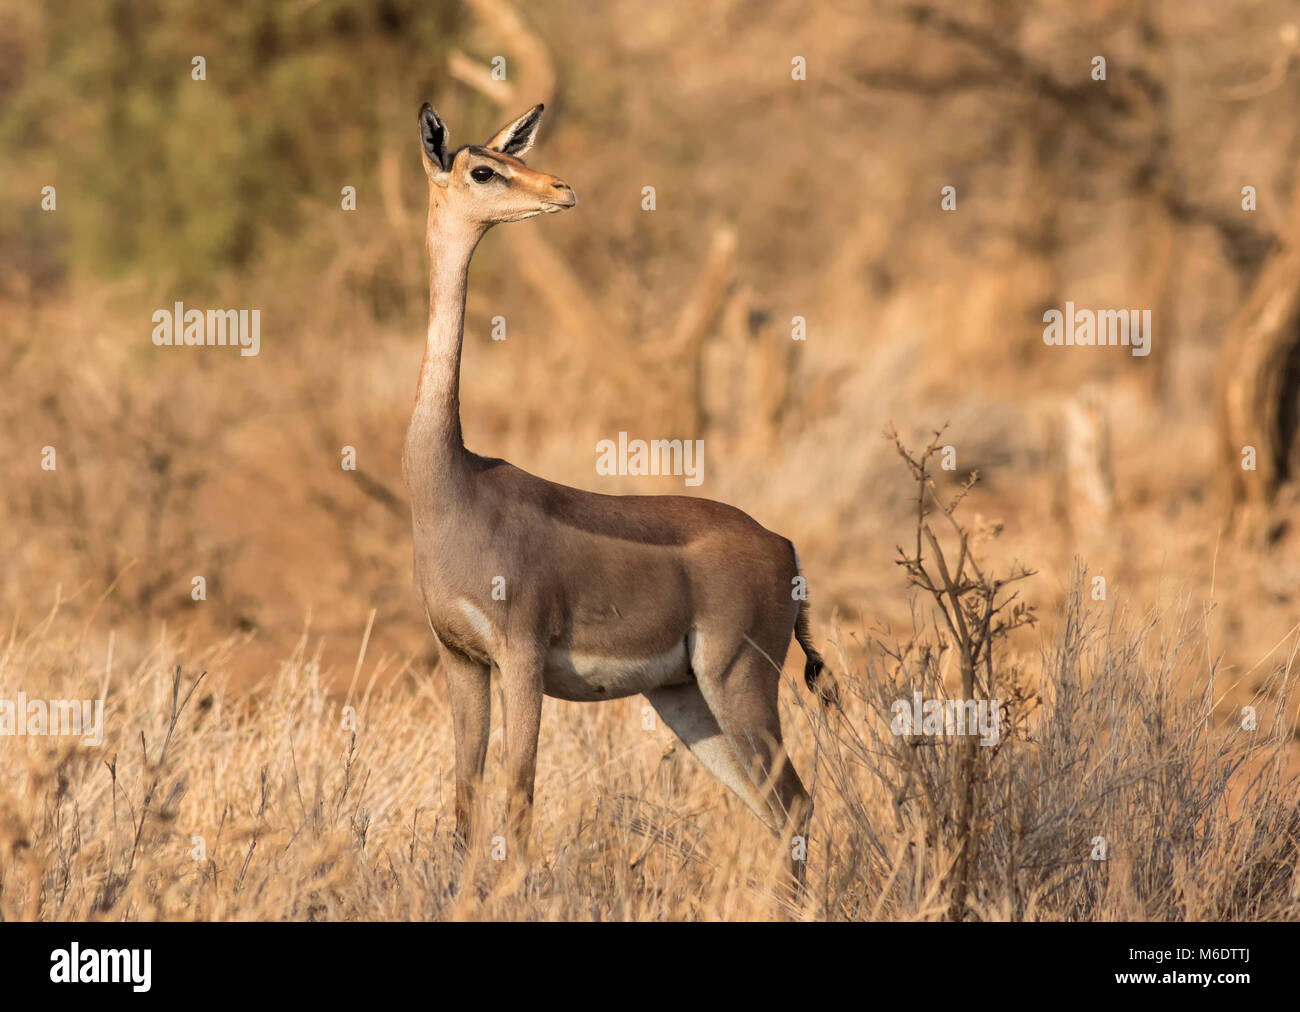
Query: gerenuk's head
{"x":483,"y":185}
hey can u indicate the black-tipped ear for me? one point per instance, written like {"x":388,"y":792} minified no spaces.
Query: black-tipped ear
{"x":434,"y":137}
{"x":518,"y":137}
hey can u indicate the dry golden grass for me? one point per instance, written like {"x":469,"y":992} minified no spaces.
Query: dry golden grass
{"x":302,"y":819}
{"x":205,"y":802}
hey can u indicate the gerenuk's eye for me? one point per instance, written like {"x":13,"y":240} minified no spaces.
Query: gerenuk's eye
{"x":481,"y":174}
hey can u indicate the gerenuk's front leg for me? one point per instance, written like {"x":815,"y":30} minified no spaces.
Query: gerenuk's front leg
{"x":471,"y":710}
{"x":521,"y":683}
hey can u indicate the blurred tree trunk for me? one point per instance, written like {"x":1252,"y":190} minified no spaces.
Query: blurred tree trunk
{"x":1258,"y":379}
{"x":1083,"y":500}
{"x":1159,"y":243}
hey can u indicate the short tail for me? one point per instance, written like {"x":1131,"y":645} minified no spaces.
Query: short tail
{"x":815,"y":673}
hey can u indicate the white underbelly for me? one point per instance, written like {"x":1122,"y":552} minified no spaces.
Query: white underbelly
{"x":589,"y":677}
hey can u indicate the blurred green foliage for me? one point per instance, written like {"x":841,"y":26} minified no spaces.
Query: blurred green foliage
{"x":184,"y":180}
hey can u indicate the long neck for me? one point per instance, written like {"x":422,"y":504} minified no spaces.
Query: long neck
{"x":434,"y":445}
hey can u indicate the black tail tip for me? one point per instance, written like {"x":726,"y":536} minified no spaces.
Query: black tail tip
{"x":819,"y":680}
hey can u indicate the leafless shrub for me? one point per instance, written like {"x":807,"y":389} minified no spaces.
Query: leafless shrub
{"x":1112,"y":792}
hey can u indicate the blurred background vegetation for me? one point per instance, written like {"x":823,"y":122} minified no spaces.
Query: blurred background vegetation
{"x":168,"y":176}
{"x":776,"y":198}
